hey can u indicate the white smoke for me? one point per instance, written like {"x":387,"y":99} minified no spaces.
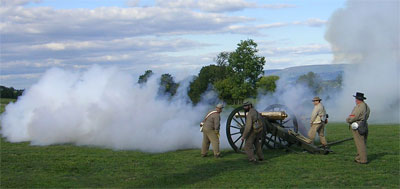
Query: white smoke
{"x":366,"y":33}
{"x":296,"y":97}
{"x":104,"y":107}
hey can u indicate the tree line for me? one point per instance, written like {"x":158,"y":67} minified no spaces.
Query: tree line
{"x":318,"y":86}
{"x":10,"y":92}
{"x":238,"y":75}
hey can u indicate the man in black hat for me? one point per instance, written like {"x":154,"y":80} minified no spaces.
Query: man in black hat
{"x":252,"y":133}
{"x":359,"y":116}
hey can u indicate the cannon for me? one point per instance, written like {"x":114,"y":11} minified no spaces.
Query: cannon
{"x":281,"y":130}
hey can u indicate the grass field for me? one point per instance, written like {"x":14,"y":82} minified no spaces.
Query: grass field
{"x":4,"y":102}
{"x":61,"y":166}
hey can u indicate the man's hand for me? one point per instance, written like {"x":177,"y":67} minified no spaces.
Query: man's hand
{"x":242,"y":139}
{"x":217,"y":133}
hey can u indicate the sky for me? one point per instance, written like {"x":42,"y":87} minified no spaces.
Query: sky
{"x":169,"y":36}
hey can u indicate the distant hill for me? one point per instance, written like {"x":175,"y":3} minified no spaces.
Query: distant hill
{"x":326,"y":72}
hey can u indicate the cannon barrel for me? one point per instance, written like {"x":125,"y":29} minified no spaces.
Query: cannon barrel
{"x":281,"y":115}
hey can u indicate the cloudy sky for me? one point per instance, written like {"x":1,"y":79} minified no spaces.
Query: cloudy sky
{"x":166,"y":36}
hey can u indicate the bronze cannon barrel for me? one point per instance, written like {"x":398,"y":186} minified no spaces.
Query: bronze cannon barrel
{"x":281,"y":115}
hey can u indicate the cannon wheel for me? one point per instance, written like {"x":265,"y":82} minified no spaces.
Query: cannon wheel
{"x":271,"y":140}
{"x":234,"y":130}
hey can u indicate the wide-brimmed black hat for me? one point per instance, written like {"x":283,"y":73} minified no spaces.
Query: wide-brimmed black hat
{"x":359,"y":96}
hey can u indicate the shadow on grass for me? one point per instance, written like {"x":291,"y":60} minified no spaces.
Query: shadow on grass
{"x":197,"y":173}
{"x":230,"y":153}
{"x":210,"y":169}
{"x":377,"y":156}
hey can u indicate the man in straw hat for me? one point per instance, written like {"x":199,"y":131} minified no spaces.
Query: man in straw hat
{"x":210,"y":128}
{"x":358,"y":116}
{"x":317,"y":122}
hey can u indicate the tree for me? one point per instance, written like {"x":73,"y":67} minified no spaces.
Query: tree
{"x":231,"y":91}
{"x":168,"y":85}
{"x":267,"y":83}
{"x":246,"y":65}
{"x":6,"y":92}
{"x":222,"y":59}
{"x":244,"y":70}
{"x":311,"y":80}
{"x":143,"y":78}
{"x":208,"y":75}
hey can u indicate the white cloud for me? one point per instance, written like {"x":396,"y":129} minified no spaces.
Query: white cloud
{"x":272,"y":25}
{"x":312,"y":22}
{"x":110,"y":58}
{"x":127,"y":37}
{"x":107,"y":22}
{"x":224,"y":5}
{"x":132,"y":3}
{"x":17,"y":2}
{"x":34,"y":39}
{"x":297,"y":50}
{"x":73,"y":50}
{"x":277,"y":6}
{"x":279,"y":60}
{"x":218,"y":5}
{"x":254,"y":30}
{"x":20,"y":76}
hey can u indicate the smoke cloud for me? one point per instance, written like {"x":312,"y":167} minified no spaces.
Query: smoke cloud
{"x":366,"y":34}
{"x":296,"y":97}
{"x":105,"y":107}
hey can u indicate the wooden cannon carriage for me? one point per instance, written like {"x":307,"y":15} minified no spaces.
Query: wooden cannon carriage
{"x":281,"y":130}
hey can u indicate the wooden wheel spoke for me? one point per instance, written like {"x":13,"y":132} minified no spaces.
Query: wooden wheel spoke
{"x":241,"y":145}
{"x":286,"y":121}
{"x":241,"y":125}
{"x":243,"y":122}
{"x":236,"y":133}
{"x":237,"y":139}
{"x":235,"y":127}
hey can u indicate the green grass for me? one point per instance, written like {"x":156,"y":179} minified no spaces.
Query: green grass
{"x":4,"y":102}
{"x":62,"y":166}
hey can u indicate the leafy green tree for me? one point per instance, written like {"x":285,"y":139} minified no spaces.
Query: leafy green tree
{"x":234,"y":77}
{"x":245,"y":68}
{"x":245,"y":64}
{"x":168,"y":85}
{"x":143,"y":78}
{"x":222,"y":59}
{"x":208,"y":75}
{"x":267,"y":83}
{"x":311,"y":80}
{"x":10,"y":92}
{"x":232,"y":91}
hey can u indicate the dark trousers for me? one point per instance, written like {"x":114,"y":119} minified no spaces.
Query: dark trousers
{"x":254,"y":141}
